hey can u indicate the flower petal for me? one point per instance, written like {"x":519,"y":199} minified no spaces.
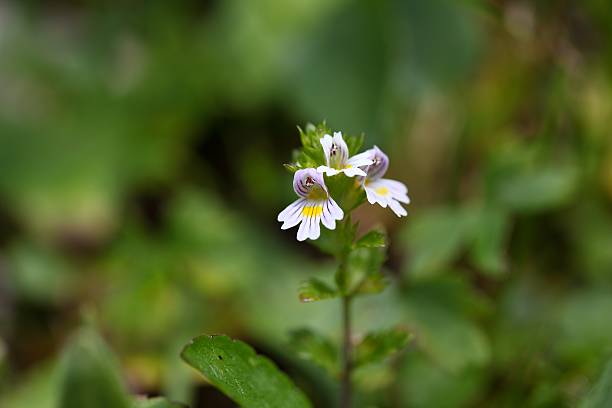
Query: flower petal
{"x":343,"y":148}
{"x":360,"y":160}
{"x":376,"y":193}
{"x":397,"y":208}
{"x":380,"y":163}
{"x":327,"y":170}
{"x":353,"y":171}
{"x":302,"y":233}
{"x":331,"y":213}
{"x":335,"y":210}
{"x":395,"y":187}
{"x":326,"y":142}
{"x":294,"y":219}
{"x":315,"y":228}
{"x":327,"y":218}
{"x":288,"y":212}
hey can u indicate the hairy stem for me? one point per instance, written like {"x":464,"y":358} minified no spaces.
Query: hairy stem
{"x":347,"y":363}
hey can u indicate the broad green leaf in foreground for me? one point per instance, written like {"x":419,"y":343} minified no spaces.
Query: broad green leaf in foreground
{"x":251,"y":380}
{"x":601,"y":395}
{"x":315,"y":289}
{"x":379,"y":345}
{"x":314,"y":347}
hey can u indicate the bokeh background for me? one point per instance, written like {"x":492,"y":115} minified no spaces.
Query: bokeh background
{"x":141,"y":152}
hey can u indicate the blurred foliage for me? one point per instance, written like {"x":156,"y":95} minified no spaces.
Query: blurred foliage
{"x":141,"y":146}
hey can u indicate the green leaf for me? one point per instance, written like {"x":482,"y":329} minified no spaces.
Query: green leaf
{"x":90,"y":375}
{"x":292,"y":167}
{"x":371,"y":284}
{"x":314,"y":347}
{"x":601,"y":395}
{"x":440,"y":325}
{"x":435,"y":239}
{"x":425,"y":383}
{"x":251,"y":380}
{"x":315,"y":289}
{"x":354,"y":143}
{"x":339,"y":240}
{"x":373,"y":239}
{"x":311,"y":154}
{"x":521,"y":179}
{"x":379,"y":345}
{"x":156,"y":403}
{"x":363,"y":271}
{"x":489,"y":240}
{"x":38,"y":388}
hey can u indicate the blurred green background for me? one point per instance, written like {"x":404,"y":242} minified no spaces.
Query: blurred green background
{"x":141,"y":152}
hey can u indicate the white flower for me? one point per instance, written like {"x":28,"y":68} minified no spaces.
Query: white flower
{"x":338,"y":160}
{"x":384,"y":191}
{"x":314,"y":205}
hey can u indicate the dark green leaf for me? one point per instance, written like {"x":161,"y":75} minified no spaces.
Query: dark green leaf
{"x":377,"y":346}
{"x":90,"y":375}
{"x":156,"y":403}
{"x":315,"y":289}
{"x":251,"y":380}
{"x":601,"y":395}
{"x":373,"y":239}
{"x":314,"y":347}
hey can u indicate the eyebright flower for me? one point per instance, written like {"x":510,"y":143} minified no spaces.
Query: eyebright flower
{"x":384,"y":191}
{"x":314,"y":205}
{"x":338,"y":160}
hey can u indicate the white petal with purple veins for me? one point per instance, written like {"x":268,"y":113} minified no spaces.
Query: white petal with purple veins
{"x":328,"y":170}
{"x":387,"y":193}
{"x":360,"y":160}
{"x":353,"y":171}
{"x":337,"y":158}
{"x":326,"y":142}
{"x":292,"y":215}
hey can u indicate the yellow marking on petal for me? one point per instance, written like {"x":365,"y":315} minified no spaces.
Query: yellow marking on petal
{"x":312,"y":210}
{"x":348,"y":166}
{"x":383,"y":191}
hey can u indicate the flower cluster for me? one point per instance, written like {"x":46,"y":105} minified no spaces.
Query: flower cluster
{"x":315,"y":203}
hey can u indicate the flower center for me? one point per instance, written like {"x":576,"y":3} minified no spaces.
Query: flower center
{"x":317,"y":193}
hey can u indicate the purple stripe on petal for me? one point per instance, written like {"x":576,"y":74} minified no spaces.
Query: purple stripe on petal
{"x":380,"y":164}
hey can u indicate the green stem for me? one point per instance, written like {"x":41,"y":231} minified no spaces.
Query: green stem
{"x":342,"y":283}
{"x":347,"y":363}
